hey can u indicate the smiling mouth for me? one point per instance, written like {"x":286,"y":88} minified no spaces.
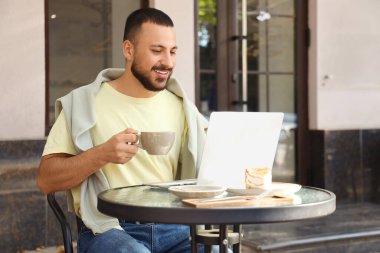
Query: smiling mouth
{"x":162,"y":73}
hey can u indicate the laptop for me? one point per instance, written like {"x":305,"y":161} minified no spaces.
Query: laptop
{"x":235,"y":142}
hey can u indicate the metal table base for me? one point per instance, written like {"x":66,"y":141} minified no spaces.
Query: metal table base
{"x":222,"y":237}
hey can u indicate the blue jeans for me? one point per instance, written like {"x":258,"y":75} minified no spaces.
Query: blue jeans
{"x":137,"y":238}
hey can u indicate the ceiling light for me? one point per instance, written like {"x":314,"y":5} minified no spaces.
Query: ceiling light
{"x":263,"y":15}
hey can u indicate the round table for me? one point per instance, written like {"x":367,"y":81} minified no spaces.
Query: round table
{"x":153,"y":204}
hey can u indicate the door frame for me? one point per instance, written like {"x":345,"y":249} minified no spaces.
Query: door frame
{"x":302,"y":39}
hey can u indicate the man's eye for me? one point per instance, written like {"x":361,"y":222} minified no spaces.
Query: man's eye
{"x":156,"y":51}
{"x":173,"y":52}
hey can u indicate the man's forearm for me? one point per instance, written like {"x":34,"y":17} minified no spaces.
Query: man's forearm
{"x":59,"y":172}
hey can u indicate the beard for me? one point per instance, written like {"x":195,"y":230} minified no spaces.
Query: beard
{"x":144,"y":78}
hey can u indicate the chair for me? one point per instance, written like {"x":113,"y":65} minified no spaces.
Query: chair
{"x":65,"y":226}
{"x":207,"y":237}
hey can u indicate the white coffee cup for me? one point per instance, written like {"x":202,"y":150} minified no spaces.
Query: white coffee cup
{"x":156,"y":143}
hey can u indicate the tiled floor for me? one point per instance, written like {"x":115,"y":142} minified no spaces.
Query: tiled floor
{"x":349,"y":220}
{"x":58,"y":249}
{"x":53,"y":249}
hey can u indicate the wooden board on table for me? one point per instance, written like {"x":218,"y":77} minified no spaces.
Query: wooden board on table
{"x":240,"y":201}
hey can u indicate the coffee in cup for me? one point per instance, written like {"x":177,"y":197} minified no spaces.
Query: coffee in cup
{"x":258,"y":178}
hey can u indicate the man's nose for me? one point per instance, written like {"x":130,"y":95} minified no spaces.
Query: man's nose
{"x":168,"y":60}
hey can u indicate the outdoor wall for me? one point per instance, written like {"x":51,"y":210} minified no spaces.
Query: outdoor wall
{"x":22,"y":69}
{"x":182,"y":14}
{"x":344,"y":81}
{"x":120,"y":10}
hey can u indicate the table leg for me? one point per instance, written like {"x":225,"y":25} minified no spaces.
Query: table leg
{"x":223,"y":239}
{"x":208,"y":248}
{"x":193,"y":233}
{"x":236,"y":247}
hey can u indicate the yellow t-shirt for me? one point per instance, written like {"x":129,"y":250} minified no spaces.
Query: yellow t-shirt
{"x":114,"y":113}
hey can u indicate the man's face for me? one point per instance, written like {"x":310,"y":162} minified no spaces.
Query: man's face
{"x":154,"y":56}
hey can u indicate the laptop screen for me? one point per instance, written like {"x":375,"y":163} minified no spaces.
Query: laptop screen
{"x":235,"y":142}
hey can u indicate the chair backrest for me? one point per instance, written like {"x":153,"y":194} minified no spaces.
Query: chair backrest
{"x":65,"y":226}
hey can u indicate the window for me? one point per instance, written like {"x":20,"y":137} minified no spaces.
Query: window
{"x":84,"y":37}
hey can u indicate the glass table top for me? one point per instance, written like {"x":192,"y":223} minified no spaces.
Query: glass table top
{"x":153,"y":204}
{"x":159,"y":197}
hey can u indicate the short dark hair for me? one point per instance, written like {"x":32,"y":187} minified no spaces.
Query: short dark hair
{"x":146,"y":15}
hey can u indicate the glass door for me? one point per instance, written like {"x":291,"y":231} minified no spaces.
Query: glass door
{"x":207,"y":45}
{"x":247,"y":60}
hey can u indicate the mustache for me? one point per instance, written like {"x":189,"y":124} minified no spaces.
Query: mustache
{"x":162,"y":68}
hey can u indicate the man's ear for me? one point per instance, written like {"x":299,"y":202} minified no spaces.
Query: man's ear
{"x":128,"y":50}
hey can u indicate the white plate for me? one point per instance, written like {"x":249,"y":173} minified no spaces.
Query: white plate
{"x":173,"y":183}
{"x":197,"y":191}
{"x":277,"y":189}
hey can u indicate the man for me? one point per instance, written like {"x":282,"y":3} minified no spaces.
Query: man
{"x":89,"y":147}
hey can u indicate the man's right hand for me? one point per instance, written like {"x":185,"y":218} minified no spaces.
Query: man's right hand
{"x":119,"y":149}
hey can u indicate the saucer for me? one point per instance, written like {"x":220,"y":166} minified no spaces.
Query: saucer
{"x":277,"y":189}
{"x":197,"y":191}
